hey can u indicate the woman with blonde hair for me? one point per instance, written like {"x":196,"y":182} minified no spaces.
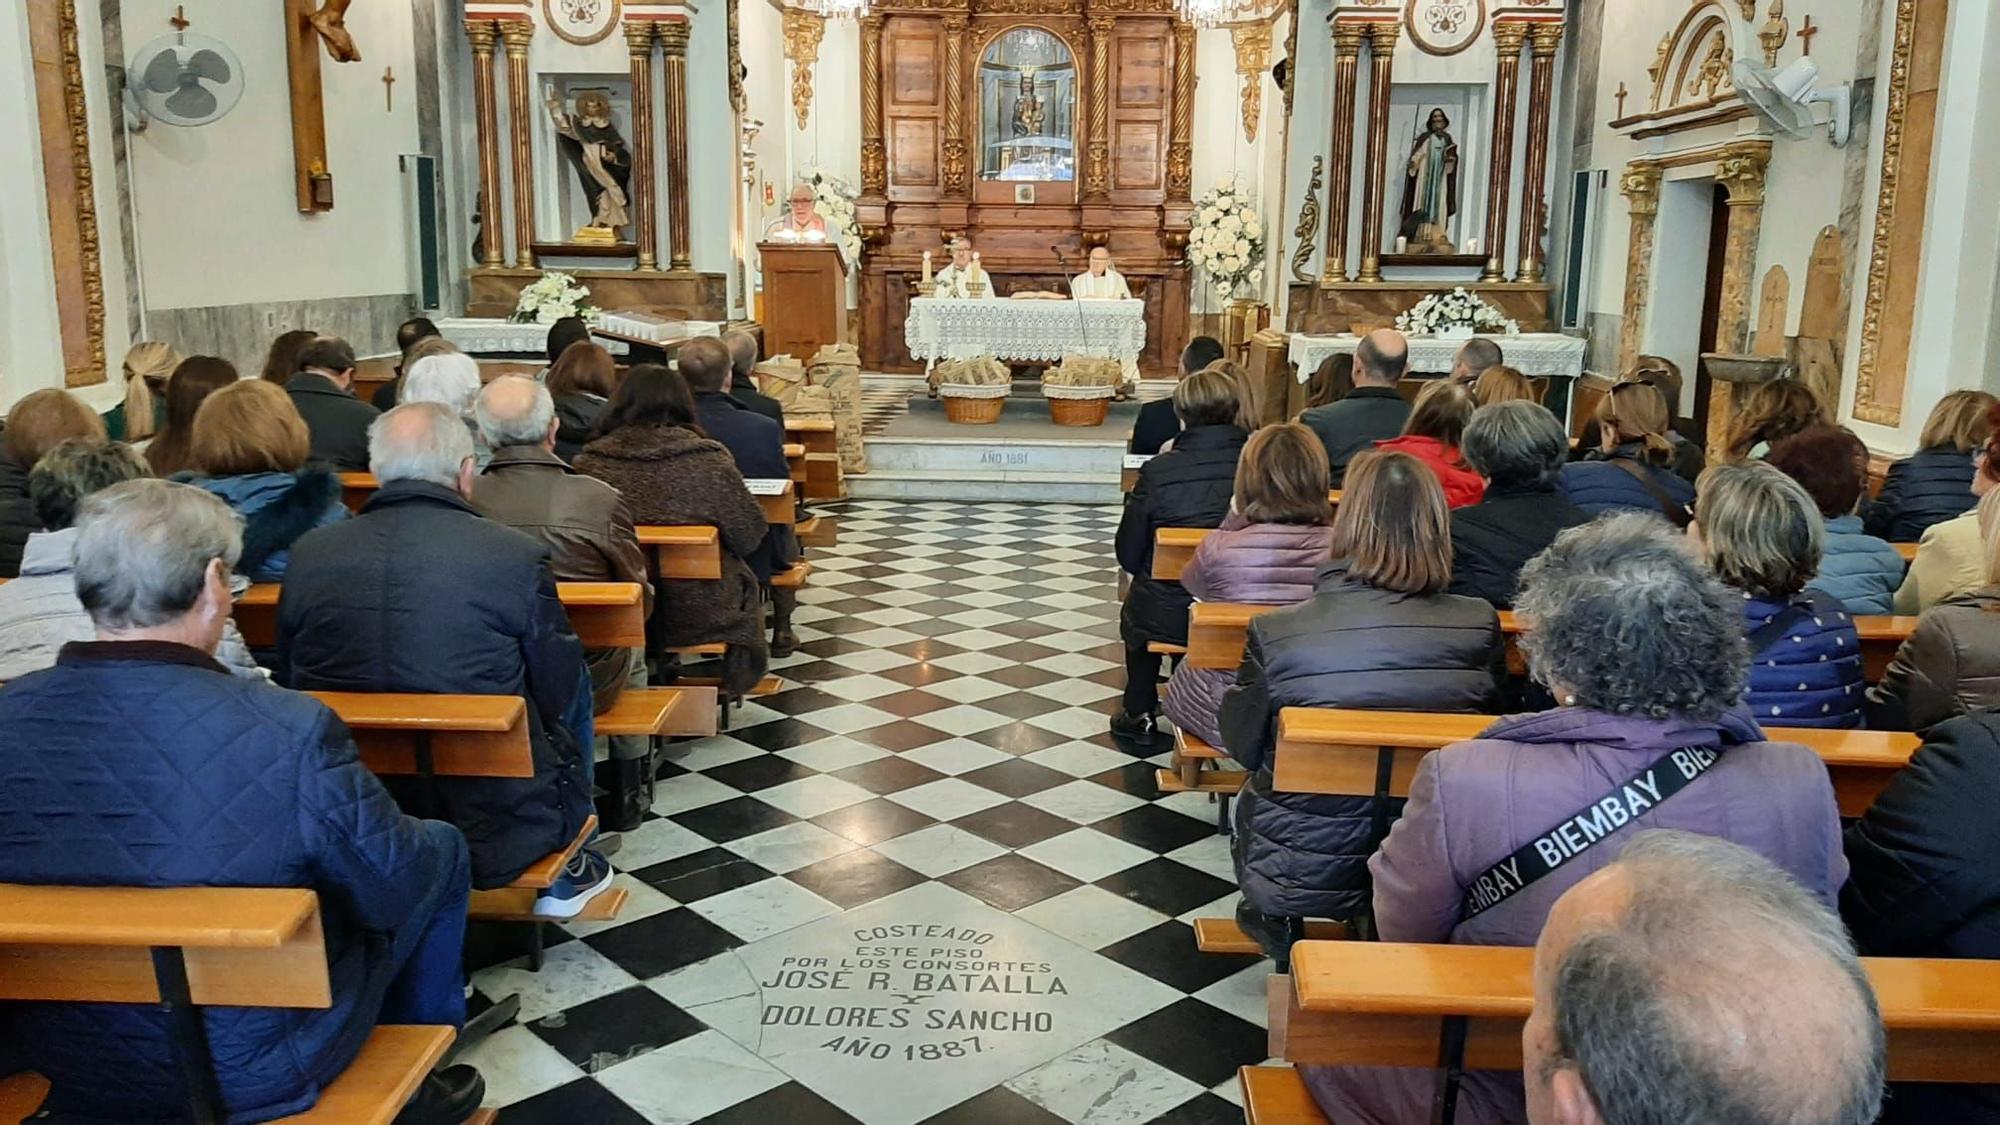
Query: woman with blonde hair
{"x":1950,"y":664}
{"x":1266,"y":552}
{"x":1379,"y":632}
{"x":148,"y":365}
{"x":1501,"y":383}
{"x":1769,"y":414}
{"x":1933,"y":484}
{"x":250,"y":449}
{"x":1631,"y":469}
{"x":1432,"y":435}
{"x":38,"y":423}
{"x":193,"y":381}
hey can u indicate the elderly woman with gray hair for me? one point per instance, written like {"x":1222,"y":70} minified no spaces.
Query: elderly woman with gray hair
{"x":39,"y":611}
{"x":1520,"y":449}
{"x":453,"y":380}
{"x":1644,"y":649}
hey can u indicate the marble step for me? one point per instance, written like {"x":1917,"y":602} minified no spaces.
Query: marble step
{"x":1099,"y":461}
{"x":993,"y":484}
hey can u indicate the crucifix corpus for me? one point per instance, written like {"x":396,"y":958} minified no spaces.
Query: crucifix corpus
{"x":306,"y":27}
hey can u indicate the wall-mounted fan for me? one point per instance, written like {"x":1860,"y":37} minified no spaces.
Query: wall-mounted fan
{"x":183,"y":79}
{"x":1785,"y":99}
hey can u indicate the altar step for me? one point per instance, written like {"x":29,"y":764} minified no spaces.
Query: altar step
{"x":975,"y":468}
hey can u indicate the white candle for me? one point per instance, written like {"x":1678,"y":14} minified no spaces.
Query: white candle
{"x":1472,"y":246}
{"x":1402,"y":245}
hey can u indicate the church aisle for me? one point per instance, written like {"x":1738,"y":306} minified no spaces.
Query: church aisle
{"x":922,"y":884}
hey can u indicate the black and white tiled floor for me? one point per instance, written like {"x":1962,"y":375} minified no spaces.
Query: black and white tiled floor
{"x":920,"y":884}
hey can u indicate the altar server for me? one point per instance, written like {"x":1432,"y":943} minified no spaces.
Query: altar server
{"x":963,"y":274}
{"x":1101,"y":281}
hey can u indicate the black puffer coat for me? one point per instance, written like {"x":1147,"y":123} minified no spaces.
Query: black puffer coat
{"x":1351,"y":645}
{"x":17,"y":517}
{"x":1188,"y":486}
{"x":1928,"y":487}
{"x":1492,"y":540}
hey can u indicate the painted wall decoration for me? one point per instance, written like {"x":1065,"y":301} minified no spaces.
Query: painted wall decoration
{"x":1444,"y":27}
{"x":582,"y":22}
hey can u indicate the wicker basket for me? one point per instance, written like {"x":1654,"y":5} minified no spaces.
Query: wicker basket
{"x":1079,"y":411}
{"x":973,"y":405}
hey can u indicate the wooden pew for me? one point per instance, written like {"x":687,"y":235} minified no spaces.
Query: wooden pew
{"x":822,"y":456}
{"x":779,"y":500}
{"x":1173,"y":549}
{"x":1129,"y":475}
{"x":236,"y":946}
{"x":1907,"y":550}
{"x":356,"y":488}
{"x":683,"y":551}
{"x":1880,"y":638}
{"x":603,"y":614}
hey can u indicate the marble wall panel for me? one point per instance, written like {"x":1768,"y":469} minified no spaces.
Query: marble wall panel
{"x":242,"y":333}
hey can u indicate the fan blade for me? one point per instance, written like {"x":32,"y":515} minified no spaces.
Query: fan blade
{"x":163,"y":73}
{"x":192,"y":102}
{"x":210,"y":65}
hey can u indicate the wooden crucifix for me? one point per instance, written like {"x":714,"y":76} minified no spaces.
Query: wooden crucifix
{"x":1806,"y":33}
{"x":1621,"y":95}
{"x":306,"y":27}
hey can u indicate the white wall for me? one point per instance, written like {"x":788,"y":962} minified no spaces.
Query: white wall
{"x":1220,"y":150}
{"x":1687,"y":207}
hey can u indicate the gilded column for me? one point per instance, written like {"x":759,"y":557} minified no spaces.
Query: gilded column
{"x":674,"y":44}
{"x":1641,"y":187}
{"x":1097,"y":160}
{"x":516,"y":34}
{"x":1740,"y":171}
{"x":1382,"y":53}
{"x":639,"y":45}
{"x":874,"y":156}
{"x":1347,"y":37}
{"x":1508,"y":36}
{"x":1180,"y":135}
{"x":957,"y":178}
{"x":1534,"y":188}
{"x":482,"y":34}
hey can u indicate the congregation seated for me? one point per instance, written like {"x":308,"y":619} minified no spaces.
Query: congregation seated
{"x":1190,"y":486}
{"x":582,"y":381}
{"x":1632,"y":466}
{"x":1519,"y":449}
{"x":1924,"y":881}
{"x":1768,"y":414}
{"x":40,"y":611}
{"x":1950,"y":664}
{"x":1373,"y":411}
{"x":250,"y":449}
{"x":743,"y":383}
{"x":281,"y":359}
{"x":1432,"y":434}
{"x":1644,"y":649}
{"x":1664,"y":376}
{"x":1268,"y":551}
{"x":1934,"y":484}
{"x":417,"y":593}
{"x":1951,"y":554}
{"x":137,"y":417}
{"x":1694,"y":980}
{"x":1379,"y":633}
{"x":39,"y":422}
{"x":136,"y":762}
{"x":1330,"y":382}
{"x":1831,"y":464}
{"x":651,"y":448}
{"x":563,"y":334}
{"x":450,"y":380}
{"x":588,"y":531}
{"x":323,"y":391}
{"x":1157,"y":423}
{"x":1501,"y":383}
{"x":1474,"y":358}
{"x":1762,"y":535}
{"x":197,"y":377}
{"x":409,"y":334}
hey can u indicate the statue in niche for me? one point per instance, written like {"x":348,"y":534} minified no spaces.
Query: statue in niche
{"x":1028,"y":112}
{"x":1430,"y":188}
{"x":590,"y":142}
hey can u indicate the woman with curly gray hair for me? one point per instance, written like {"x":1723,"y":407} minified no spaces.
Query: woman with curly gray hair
{"x":1644,"y":649}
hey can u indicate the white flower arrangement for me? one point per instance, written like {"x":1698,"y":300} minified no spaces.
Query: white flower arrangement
{"x":1458,"y":309}
{"x":1227,"y":240}
{"x":553,"y":296}
{"x":834,"y":197}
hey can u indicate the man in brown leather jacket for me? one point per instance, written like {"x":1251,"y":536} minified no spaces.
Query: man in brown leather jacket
{"x":589,"y":533}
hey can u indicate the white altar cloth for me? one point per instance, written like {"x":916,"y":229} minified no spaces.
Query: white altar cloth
{"x":1024,"y":331}
{"x":1535,"y":354}
{"x":485,"y":336}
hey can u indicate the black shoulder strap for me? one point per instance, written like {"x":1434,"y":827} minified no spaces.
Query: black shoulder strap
{"x":1675,"y":512}
{"x":1576,"y":834}
{"x":1774,"y":630}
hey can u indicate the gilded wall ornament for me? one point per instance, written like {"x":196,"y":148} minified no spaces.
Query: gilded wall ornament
{"x":1253,"y":54}
{"x":1308,"y":226}
{"x":1867,"y":406}
{"x":582,"y":22}
{"x":1444,"y":27}
{"x":803,"y":31}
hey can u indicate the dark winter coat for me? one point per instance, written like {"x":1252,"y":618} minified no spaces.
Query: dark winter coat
{"x":337,"y":421}
{"x":743,"y":389}
{"x":576,"y":422}
{"x":1250,"y":564}
{"x":1928,"y":487}
{"x":17,"y":516}
{"x":757,"y":444}
{"x":1596,"y":485}
{"x":276,"y":508}
{"x":1351,"y":645}
{"x":417,"y":593}
{"x":1492,"y":540}
{"x":1188,"y":486}
{"x":670,"y":476}
{"x":1354,"y":424}
{"x":1688,"y":461}
{"x":1156,"y":425}
{"x":1810,"y":676}
{"x":1924,"y":881}
{"x":1950,"y":665}
{"x":145,"y":764}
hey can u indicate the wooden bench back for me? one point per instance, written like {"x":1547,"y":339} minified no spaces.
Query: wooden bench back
{"x":356,"y":488}
{"x":1341,"y":752}
{"x":466,"y":735}
{"x":683,"y":551}
{"x":1880,"y":638}
{"x":1384,"y":1003}
{"x":603,"y":614}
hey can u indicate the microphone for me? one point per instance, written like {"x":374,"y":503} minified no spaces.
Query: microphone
{"x":1082,"y":326}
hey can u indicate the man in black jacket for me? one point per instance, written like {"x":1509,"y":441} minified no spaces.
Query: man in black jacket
{"x":420,"y":594}
{"x":742,"y":386}
{"x":323,"y":390}
{"x":1373,"y":411}
{"x":1520,"y":449}
{"x":1157,"y":422}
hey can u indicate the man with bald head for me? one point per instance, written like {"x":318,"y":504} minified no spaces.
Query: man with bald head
{"x":1474,"y":357}
{"x":1374,"y":410}
{"x":1692,"y":980}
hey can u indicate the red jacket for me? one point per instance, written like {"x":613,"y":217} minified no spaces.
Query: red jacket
{"x":1462,"y":487}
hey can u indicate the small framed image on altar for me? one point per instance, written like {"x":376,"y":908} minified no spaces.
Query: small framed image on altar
{"x":1024,"y":193}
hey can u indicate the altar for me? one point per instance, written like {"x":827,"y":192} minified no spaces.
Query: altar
{"x":1024,"y":331}
{"x":1538,"y":355}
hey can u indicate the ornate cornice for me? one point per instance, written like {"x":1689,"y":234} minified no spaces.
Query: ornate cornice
{"x":639,"y":36}
{"x":517,"y":34}
{"x":1509,"y":36}
{"x":1640,"y":185}
{"x":674,"y":38}
{"x":482,"y":34}
{"x":803,"y":31}
{"x":1740,"y":168}
{"x":1347,"y":37}
{"x":1546,"y":38}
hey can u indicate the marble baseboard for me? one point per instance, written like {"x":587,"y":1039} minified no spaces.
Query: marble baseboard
{"x":1601,"y":355}
{"x":243,"y":333}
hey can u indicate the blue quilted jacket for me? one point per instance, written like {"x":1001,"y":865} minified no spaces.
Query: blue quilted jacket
{"x":1928,"y":487}
{"x":145,"y":764}
{"x":1860,"y":571}
{"x":1811,"y":675}
{"x":1598,"y":486}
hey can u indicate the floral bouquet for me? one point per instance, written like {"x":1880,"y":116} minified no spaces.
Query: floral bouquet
{"x":1454,"y":313}
{"x":834,"y":198}
{"x":1227,"y":240}
{"x":553,"y":296}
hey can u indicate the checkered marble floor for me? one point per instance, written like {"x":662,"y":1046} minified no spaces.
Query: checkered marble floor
{"x":935,"y":781}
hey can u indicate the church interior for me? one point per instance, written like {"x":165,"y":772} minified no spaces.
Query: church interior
{"x":1026,"y":514}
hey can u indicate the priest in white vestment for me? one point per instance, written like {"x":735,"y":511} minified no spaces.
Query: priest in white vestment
{"x":963,"y":275}
{"x":1101,"y":282}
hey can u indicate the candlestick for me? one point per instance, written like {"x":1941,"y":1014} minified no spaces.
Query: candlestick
{"x":927,"y":269}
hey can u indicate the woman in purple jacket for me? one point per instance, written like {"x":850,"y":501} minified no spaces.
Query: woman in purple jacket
{"x":1645,"y":649}
{"x":1270,"y":545}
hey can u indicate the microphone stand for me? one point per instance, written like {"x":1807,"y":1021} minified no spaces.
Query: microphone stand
{"x":1082,"y":323}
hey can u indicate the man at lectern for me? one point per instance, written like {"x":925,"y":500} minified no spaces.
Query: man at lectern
{"x":1101,"y":282}
{"x":800,"y":222}
{"x":963,"y":275}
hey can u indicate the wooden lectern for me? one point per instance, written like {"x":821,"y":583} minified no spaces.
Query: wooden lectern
{"x":805,"y":298}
